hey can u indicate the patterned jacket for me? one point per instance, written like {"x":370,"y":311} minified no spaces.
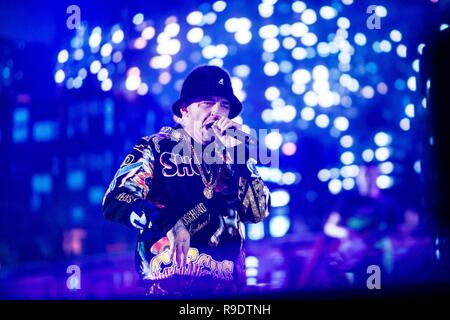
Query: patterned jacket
{"x":156,"y":185}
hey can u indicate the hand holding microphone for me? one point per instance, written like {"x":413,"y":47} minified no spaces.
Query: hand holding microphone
{"x":231,"y":138}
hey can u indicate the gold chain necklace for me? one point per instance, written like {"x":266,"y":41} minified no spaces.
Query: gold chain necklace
{"x":208,"y":191}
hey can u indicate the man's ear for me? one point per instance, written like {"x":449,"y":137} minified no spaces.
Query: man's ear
{"x":183,"y":109}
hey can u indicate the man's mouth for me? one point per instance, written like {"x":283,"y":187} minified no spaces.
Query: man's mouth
{"x":209,"y":125}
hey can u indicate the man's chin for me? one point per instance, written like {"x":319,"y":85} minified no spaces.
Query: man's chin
{"x":207,"y":136}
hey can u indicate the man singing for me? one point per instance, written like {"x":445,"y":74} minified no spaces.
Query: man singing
{"x":188,"y":190}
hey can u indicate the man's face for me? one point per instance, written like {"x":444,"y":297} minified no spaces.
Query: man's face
{"x":201,"y":113}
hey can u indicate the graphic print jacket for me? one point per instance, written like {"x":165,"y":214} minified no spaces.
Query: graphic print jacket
{"x":155,"y":187}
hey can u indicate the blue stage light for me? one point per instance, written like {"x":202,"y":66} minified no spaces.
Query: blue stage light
{"x":42,"y":183}
{"x":279,"y":226}
{"x":256,"y":231}
{"x":335,"y":186}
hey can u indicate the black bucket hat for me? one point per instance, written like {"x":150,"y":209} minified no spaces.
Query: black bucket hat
{"x":206,"y":81}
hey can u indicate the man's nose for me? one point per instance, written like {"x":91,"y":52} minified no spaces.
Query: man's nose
{"x":216,"y":107}
{"x":215,"y":116}
{"x":216,"y":110}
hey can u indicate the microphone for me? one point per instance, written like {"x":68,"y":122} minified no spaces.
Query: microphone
{"x":241,"y":135}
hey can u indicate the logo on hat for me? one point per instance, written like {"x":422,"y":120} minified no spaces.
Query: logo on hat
{"x":221,"y":81}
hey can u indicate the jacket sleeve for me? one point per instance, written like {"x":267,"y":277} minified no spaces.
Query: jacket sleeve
{"x":247,"y":192}
{"x":127,"y":199}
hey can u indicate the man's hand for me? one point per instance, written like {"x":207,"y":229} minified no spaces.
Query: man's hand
{"x":180,"y":239}
{"x":221,"y":126}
